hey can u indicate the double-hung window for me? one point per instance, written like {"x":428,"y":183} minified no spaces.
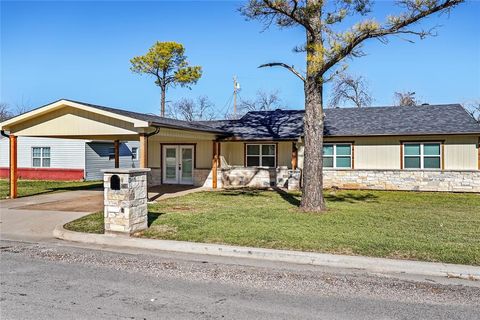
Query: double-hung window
{"x":40,"y":157}
{"x":337,"y":155}
{"x":422,"y":155}
{"x":261,"y":155}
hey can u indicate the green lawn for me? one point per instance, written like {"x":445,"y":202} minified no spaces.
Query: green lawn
{"x":404,"y":225}
{"x":33,"y":187}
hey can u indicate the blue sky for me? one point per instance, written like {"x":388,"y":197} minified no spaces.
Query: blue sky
{"x":81,"y":51}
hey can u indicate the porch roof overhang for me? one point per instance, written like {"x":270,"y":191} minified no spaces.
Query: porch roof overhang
{"x":72,"y":119}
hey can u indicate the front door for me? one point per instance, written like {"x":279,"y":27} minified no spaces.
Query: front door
{"x":178,"y":164}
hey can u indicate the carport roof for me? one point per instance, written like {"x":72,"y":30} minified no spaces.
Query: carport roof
{"x":154,"y":120}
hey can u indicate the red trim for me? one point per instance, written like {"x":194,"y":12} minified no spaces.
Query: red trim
{"x":45,"y":174}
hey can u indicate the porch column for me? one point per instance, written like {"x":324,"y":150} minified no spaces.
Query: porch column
{"x":116,"y":147}
{"x":294,"y":156}
{"x":13,"y":166}
{"x":215,"y":163}
{"x":143,"y":150}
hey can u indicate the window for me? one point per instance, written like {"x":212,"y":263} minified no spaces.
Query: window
{"x":134,"y":153}
{"x":337,"y":155}
{"x":111,"y":153}
{"x":261,"y":155}
{"x":41,"y":157}
{"x":422,"y":155}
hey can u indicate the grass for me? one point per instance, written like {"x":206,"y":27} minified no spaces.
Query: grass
{"x":92,"y":223}
{"x":33,"y":187}
{"x":404,"y":225}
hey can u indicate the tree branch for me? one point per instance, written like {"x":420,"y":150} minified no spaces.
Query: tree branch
{"x":284,"y":65}
{"x":395,"y":27}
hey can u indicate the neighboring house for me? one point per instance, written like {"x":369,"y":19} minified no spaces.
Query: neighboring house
{"x":65,"y":159}
{"x":428,"y":147}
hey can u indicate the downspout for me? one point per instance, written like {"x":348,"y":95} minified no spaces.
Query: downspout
{"x":2,"y":132}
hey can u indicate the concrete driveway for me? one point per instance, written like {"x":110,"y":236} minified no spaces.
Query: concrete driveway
{"x":34,"y":218}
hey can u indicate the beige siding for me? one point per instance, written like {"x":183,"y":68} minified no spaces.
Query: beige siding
{"x":233,"y":153}
{"x":460,"y":152}
{"x":70,"y":121}
{"x":203,"y":142}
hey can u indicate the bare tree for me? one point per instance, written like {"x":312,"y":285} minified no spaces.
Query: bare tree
{"x":5,"y":112}
{"x":263,"y":101}
{"x":350,"y":89}
{"x":326,"y":46}
{"x":473,"y":109}
{"x":405,"y":99}
{"x":191,"y":110}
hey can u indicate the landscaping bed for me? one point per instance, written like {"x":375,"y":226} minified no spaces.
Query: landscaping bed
{"x":33,"y":187}
{"x":403,"y":225}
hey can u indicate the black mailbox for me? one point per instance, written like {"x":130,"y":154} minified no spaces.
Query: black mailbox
{"x":115,"y":182}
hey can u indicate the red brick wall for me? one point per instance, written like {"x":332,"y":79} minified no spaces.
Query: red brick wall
{"x":45,"y":174}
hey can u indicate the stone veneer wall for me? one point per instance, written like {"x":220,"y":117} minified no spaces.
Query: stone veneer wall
{"x":125,"y":209}
{"x":253,"y":177}
{"x":413,"y":180}
{"x":154,"y":177}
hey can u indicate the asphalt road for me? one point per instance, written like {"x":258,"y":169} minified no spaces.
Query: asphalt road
{"x":53,"y":281}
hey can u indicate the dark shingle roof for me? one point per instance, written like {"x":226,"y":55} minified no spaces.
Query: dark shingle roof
{"x":372,"y":121}
{"x":288,"y":124}
{"x":155,"y":120}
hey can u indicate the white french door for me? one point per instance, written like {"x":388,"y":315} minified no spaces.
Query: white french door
{"x":178,"y":164}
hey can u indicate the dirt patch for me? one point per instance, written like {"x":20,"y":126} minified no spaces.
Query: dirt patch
{"x":80,"y":204}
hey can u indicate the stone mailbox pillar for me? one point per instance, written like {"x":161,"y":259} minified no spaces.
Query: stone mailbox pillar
{"x":125,"y":200}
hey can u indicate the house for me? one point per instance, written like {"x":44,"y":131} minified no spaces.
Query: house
{"x":66,"y":159}
{"x":428,"y":147}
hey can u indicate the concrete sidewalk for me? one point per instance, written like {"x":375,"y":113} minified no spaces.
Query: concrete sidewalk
{"x":376,"y":265}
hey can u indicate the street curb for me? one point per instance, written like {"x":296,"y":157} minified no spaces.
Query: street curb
{"x":378,"y":265}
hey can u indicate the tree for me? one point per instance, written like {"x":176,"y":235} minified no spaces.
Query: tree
{"x":405,"y":99}
{"x":473,"y":109}
{"x":167,"y":63}
{"x":326,"y":46}
{"x":263,"y":101}
{"x":5,"y":112}
{"x":347,"y":88}
{"x":190,"y":110}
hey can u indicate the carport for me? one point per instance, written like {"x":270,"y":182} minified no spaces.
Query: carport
{"x":77,"y":120}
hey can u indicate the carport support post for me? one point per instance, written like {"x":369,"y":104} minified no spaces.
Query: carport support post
{"x":116,"y":147}
{"x":143,"y":150}
{"x":13,"y":166}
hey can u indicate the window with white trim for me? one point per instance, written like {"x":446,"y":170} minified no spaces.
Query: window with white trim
{"x":41,"y":157}
{"x":261,"y":155}
{"x":337,"y":155}
{"x":422,"y":155}
{"x":134,"y":153}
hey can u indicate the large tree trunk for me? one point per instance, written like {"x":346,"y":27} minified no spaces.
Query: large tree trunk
{"x":162,"y":101}
{"x":312,"y":197}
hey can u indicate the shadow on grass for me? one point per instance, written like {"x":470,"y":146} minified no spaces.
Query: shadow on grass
{"x":293,"y":199}
{"x":242,"y":192}
{"x":153,"y":216}
{"x":350,"y":197}
{"x":98,"y":185}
